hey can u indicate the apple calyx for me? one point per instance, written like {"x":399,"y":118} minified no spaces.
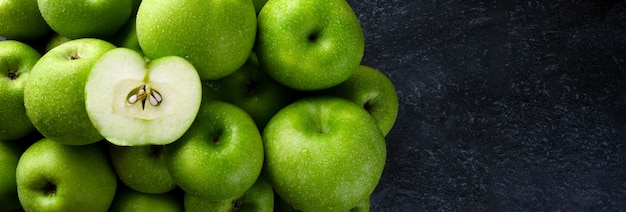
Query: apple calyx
{"x":143,"y":92}
{"x":12,"y":75}
{"x":237,"y":204}
{"x":49,"y":188}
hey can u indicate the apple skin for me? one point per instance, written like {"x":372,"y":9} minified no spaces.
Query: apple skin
{"x":129,"y":200}
{"x":54,"y":94}
{"x":81,"y":19}
{"x":16,"y":61}
{"x":141,"y":168}
{"x":322,"y":137}
{"x":220,"y":156}
{"x":10,"y":153}
{"x":258,"y":5}
{"x":55,"y":40}
{"x":127,"y":36}
{"x":258,"y":198}
{"x":21,"y":20}
{"x":309,"y":45}
{"x":215,"y":36}
{"x":371,"y":89}
{"x":252,"y":90}
{"x":55,"y":177}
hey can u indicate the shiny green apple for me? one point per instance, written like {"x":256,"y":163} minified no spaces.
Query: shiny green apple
{"x":258,"y":198}
{"x":215,"y":36}
{"x":16,"y":61}
{"x":141,"y":168}
{"x":54,"y":95}
{"x":323,"y":154}
{"x":220,"y":156}
{"x":81,"y":19}
{"x":56,"y":177}
{"x":129,"y":200}
{"x":372,"y":90}
{"x":10,"y":153}
{"x":309,"y":45}
{"x":252,"y":90}
{"x":21,"y":20}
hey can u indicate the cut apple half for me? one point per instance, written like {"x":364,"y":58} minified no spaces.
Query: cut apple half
{"x":132,"y":102}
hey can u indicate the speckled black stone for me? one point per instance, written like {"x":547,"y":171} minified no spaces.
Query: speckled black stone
{"x":504,"y":105}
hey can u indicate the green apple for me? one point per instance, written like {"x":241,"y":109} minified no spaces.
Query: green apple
{"x":141,"y":168}
{"x":309,"y":45}
{"x":371,"y":89}
{"x":216,"y":36}
{"x":127,"y":36}
{"x":10,"y":153}
{"x":252,"y":90}
{"x":55,"y":40}
{"x":362,"y":206}
{"x":16,"y":61}
{"x":323,"y":153}
{"x":80,"y":19}
{"x":258,"y":198}
{"x":128,"y":200}
{"x":220,"y":156}
{"x":21,"y":20}
{"x":258,"y":5}
{"x":54,"y":95}
{"x":132,"y":102}
{"x":56,"y":177}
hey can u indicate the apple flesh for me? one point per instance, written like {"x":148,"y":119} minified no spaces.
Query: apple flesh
{"x":323,"y":154}
{"x":16,"y":61}
{"x":132,"y":103}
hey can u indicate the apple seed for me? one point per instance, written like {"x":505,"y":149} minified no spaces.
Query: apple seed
{"x":142,"y":93}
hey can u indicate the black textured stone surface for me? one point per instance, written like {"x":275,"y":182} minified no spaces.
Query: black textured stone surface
{"x":504,"y":105}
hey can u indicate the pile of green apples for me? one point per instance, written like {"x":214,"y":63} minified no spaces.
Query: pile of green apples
{"x":192,"y":105}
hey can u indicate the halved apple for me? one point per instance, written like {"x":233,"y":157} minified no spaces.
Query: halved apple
{"x":132,"y":102}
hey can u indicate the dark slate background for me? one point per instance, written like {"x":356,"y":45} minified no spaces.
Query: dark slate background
{"x":504,"y":105}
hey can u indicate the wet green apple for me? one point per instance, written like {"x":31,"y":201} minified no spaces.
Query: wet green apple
{"x":129,"y":200}
{"x":309,"y":45}
{"x":81,"y":19}
{"x":372,"y":90}
{"x":215,"y":36}
{"x":16,"y":61}
{"x":54,"y":95}
{"x":10,"y":153}
{"x":21,"y":20}
{"x":323,"y":154}
{"x":141,"y":168}
{"x":258,"y":198}
{"x":56,"y":177}
{"x":220,"y":156}
{"x":252,"y":90}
